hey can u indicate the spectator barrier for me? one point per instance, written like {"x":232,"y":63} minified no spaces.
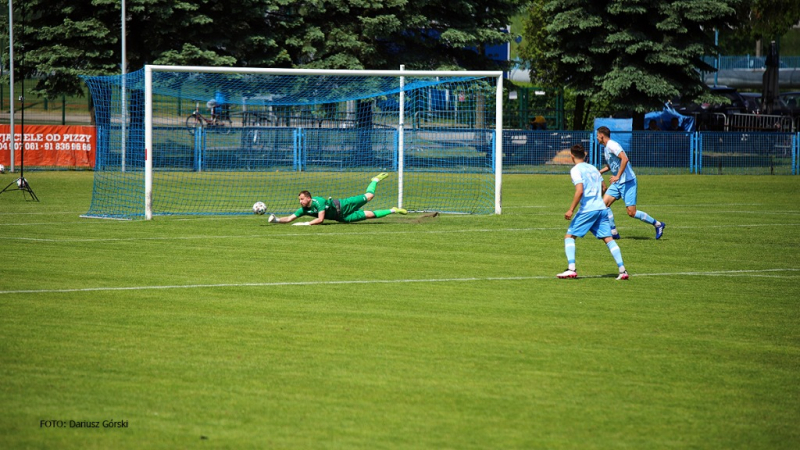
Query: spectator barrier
{"x":524,"y":151}
{"x":659,"y":152}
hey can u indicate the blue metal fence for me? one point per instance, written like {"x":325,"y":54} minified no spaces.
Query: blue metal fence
{"x":705,"y":152}
{"x":524,"y":151}
{"x":749,"y":62}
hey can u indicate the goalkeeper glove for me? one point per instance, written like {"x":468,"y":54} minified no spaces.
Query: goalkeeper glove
{"x":300,"y":224}
{"x":272,"y":219}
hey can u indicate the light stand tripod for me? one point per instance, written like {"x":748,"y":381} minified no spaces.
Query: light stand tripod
{"x":21,"y":184}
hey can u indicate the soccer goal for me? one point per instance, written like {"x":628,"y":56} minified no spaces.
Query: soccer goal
{"x":215,"y":140}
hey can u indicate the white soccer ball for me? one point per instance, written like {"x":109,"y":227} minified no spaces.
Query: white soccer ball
{"x":259,"y":208}
{"x":2,"y":168}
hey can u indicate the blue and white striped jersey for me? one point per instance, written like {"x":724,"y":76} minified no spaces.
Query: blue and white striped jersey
{"x":592,"y":181}
{"x":611,"y":153}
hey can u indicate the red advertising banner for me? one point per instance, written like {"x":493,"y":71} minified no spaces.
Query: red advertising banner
{"x":50,"y":145}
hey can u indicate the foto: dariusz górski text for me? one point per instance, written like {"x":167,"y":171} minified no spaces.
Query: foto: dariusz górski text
{"x":83,"y":424}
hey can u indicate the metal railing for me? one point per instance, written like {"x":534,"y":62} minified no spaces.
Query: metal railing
{"x":749,"y":62}
{"x":660,"y":152}
{"x":759,"y":122}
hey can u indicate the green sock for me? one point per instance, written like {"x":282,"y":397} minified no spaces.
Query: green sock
{"x":382,"y":213}
{"x":371,"y":187}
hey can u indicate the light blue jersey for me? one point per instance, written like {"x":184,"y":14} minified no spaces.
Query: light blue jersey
{"x":611,"y":153}
{"x":589,"y":176}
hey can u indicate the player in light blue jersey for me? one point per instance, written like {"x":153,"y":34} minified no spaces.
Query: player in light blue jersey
{"x":591,"y":216}
{"x":622,"y":183}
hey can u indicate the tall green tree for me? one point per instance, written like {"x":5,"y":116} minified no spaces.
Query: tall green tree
{"x":633,"y":54}
{"x":532,"y":48}
{"x":770,"y":19}
{"x":759,"y":21}
{"x":67,"y":38}
{"x":382,"y":34}
{"x":558,"y":37}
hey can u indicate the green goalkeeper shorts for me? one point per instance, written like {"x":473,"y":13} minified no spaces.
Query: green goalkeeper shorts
{"x":351,"y":209}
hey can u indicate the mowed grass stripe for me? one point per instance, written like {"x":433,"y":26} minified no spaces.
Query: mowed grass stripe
{"x":369,"y":233}
{"x":743,"y":273}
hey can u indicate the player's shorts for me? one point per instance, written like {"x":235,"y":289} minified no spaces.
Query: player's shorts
{"x":594,"y":221}
{"x":351,"y":209}
{"x":625,"y":191}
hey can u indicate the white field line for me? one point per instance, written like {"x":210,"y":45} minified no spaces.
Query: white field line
{"x":740,"y":225}
{"x":739,"y":212}
{"x":256,"y":236}
{"x":700,"y":205}
{"x":78,"y":213}
{"x":619,"y":213}
{"x":38,"y":213}
{"x":368,"y":233}
{"x":735,"y":273}
{"x":683,"y":205}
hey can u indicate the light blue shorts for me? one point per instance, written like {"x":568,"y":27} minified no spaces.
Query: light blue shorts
{"x":594,"y":221}
{"x":625,"y":191}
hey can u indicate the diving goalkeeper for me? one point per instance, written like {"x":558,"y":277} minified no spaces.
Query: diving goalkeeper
{"x":346,"y":210}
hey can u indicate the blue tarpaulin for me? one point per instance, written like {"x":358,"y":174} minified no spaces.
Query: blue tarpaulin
{"x":664,"y":120}
{"x":625,"y":125}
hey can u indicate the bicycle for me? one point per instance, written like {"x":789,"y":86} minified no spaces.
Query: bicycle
{"x":252,"y":121}
{"x":215,"y":123}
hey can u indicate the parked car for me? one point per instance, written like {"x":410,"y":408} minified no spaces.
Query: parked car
{"x":791,"y":102}
{"x":707,"y":115}
{"x":738,"y":104}
{"x":788,"y":103}
{"x":753,"y":101}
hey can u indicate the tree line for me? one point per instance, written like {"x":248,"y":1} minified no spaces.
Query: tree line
{"x":626,"y":54}
{"x":634,"y":55}
{"x":60,"y":40}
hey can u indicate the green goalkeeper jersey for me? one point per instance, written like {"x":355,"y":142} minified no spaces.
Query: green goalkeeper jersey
{"x":319,"y":204}
{"x":341,"y":210}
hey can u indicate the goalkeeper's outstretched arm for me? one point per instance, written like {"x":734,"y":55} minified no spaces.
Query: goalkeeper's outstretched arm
{"x":317,"y":220}
{"x":275,"y":219}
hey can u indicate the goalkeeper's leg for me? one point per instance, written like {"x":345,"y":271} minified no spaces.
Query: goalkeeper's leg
{"x":385,"y":212}
{"x":374,"y":183}
{"x":377,"y":214}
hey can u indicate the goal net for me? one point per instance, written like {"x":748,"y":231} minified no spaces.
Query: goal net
{"x":211,"y":140}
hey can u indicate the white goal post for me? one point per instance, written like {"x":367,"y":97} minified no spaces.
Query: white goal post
{"x":461,"y":125}
{"x":148,"y":111}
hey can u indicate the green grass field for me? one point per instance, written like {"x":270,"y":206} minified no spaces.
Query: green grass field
{"x":405,"y":332}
